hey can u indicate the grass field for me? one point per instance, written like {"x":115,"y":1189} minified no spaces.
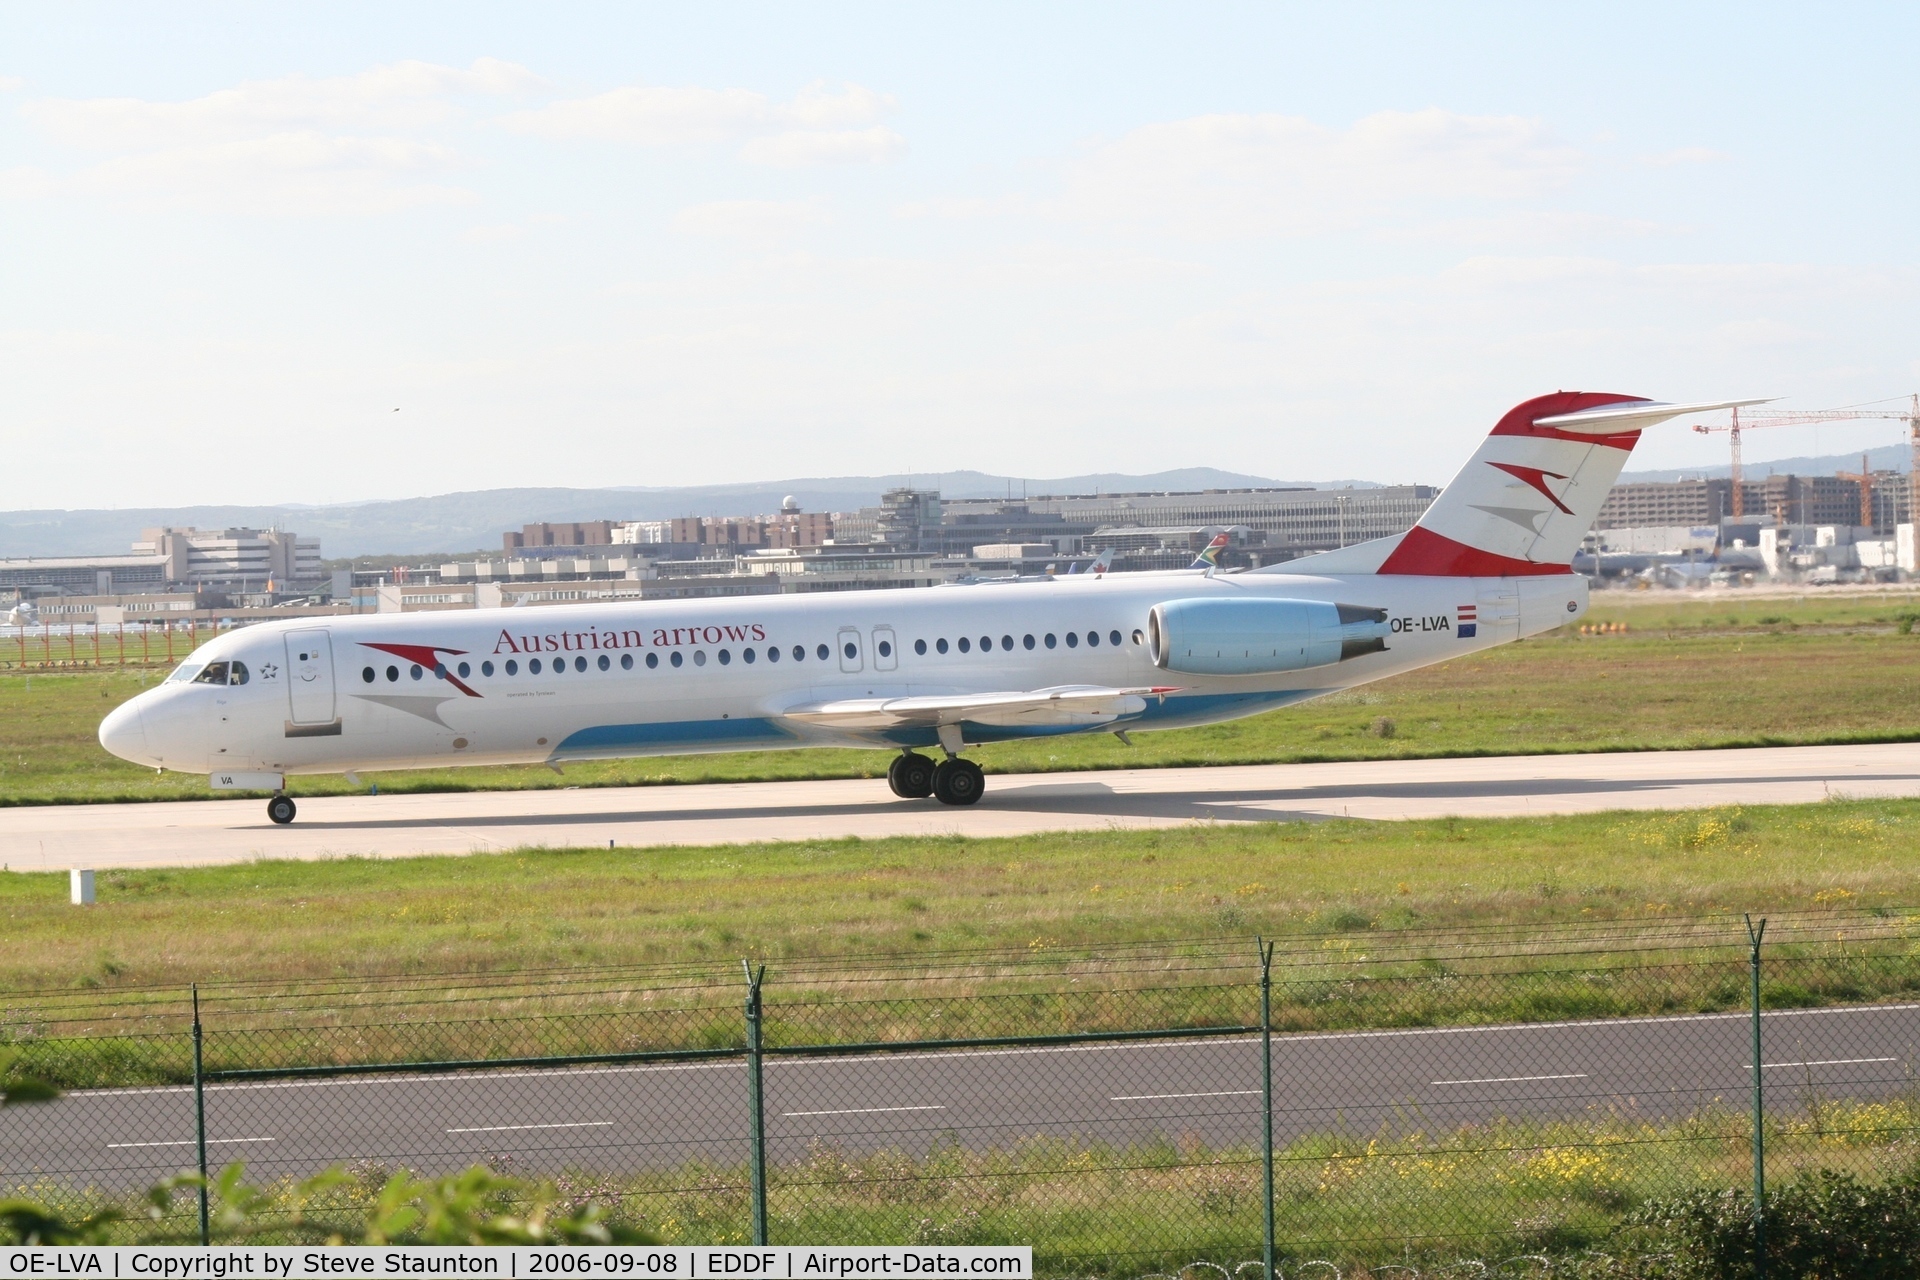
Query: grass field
{"x":537,"y":908}
{"x":1719,"y":671}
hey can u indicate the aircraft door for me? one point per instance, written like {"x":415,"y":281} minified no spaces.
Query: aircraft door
{"x":848,"y":646}
{"x":310,"y":677}
{"x":886,"y":650}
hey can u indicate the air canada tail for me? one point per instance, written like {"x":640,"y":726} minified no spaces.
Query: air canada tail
{"x":1527,"y":496}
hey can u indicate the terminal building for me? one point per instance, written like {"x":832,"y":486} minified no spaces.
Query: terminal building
{"x":205,"y":564}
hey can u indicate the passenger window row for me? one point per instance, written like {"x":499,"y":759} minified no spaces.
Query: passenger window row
{"x":1050,"y":640}
{"x":558,"y":666}
{"x":677,"y":657}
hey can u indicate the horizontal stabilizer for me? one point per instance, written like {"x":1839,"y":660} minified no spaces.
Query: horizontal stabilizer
{"x":1061,"y":705}
{"x":1635,"y":415}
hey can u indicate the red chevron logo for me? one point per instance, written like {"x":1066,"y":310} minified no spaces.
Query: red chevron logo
{"x":1538,"y":479}
{"x":423,"y":654}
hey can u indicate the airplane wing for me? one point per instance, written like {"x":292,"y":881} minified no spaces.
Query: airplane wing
{"x":1072,"y":704}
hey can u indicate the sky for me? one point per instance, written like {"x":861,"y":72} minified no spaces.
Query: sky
{"x":261,"y":253}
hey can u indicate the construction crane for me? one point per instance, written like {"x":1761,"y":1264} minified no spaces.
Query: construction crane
{"x":1864,"y":478}
{"x":1801,"y":417}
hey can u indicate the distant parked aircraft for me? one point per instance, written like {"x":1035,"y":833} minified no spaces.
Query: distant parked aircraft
{"x":24,"y":614}
{"x":909,"y":670}
{"x":1210,"y":558}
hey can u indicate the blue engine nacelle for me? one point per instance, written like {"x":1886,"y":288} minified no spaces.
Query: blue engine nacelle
{"x":1260,"y":637}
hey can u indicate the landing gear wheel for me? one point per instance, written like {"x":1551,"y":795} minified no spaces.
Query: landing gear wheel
{"x":281,"y":809}
{"x":958,"y":781}
{"x":911,"y":776}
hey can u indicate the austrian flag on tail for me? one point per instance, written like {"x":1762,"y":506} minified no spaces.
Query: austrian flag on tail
{"x":1466,"y":621}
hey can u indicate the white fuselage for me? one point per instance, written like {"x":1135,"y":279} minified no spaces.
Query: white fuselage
{"x":547,"y":685}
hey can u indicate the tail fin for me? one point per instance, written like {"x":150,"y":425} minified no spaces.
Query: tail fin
{"x":1530,"y":493}
{"x":1210,"y":558}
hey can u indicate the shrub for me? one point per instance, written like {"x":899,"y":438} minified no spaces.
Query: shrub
{"x":1824,"y":1226}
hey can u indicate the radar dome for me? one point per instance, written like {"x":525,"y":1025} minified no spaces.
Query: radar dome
{"x":789,"y":503}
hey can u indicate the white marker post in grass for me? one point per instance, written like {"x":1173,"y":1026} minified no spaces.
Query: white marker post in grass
{"x":80,"y":885}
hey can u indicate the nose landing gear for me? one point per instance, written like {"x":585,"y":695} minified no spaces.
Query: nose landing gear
{"x":280,"y":809}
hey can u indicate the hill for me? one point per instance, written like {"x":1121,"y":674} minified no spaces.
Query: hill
{"x":461,"y":521}
{"x":1892,"y":457}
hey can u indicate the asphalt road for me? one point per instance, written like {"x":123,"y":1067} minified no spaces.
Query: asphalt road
{"x":56,"y":837}
{"x":623,"y":1118}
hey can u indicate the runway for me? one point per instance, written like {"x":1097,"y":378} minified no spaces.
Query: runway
{"x":56,"y":837}
{"x":616,"y":1118}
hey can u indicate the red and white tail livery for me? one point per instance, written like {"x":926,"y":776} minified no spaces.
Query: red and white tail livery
{"x":906,"y":670}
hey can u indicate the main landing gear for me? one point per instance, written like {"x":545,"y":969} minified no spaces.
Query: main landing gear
{"x":911,"y":776}
{"x":281,"y":809}
{"x":953,"y":781}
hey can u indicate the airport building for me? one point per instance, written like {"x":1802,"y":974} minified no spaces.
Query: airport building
{"x":1785,"y":499}
{"x":237,"y":560}
{"x":1292,"y":522}
{"x":205,"y":562}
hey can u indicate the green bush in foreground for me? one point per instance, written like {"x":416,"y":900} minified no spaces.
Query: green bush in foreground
{"x":478,"y":1206}
{"x":1827,"y":1224}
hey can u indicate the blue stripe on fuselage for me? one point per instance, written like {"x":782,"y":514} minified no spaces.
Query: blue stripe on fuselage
{"x":612,"y":741}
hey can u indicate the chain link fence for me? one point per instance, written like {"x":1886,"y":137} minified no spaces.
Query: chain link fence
{"x":1363,"y":1098}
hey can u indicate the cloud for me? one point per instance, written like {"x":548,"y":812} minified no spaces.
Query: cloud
{"x":815,"y":108}
{"x":398,"y":97}
{"x":799,"y":148}
{"x":1221,"y":176}
{"x":813,"y":128}
{"x":295,"y":145}
{"x":752,"y":220}
{"x":645,"y":116}
{"x":962,"y":208}
{"x":25,"y":183}
{"x":1532,"y":226}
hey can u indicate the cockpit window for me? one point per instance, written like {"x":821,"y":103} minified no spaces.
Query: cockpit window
{"x":236,"y":673}
{"x":215,"y":673}
{"x":184,"y":672}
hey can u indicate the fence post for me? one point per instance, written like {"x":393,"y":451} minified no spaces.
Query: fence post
{"x":1266,"y":1101}
{"x":1754,"y":934}
{"x":200,"y":1115}
{"x":756,"y":1105}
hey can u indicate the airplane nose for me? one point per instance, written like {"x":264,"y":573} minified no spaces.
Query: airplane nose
{"x":123,"y":734}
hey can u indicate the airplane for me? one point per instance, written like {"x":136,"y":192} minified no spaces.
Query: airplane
{"x":24,"y":614}
{"x":911,"y":670}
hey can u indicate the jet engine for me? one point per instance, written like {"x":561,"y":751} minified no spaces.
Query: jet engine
{"x":1260,"y":637}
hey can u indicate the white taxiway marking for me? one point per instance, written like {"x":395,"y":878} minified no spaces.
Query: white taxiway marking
{"x":187,"y":1142}
{"x":502,"y":1128}
{"x":1825,"y":1062}
{"x":1153,"y":1097}
{"x":859,"y":1111}
{"x":1576,"y":1075}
